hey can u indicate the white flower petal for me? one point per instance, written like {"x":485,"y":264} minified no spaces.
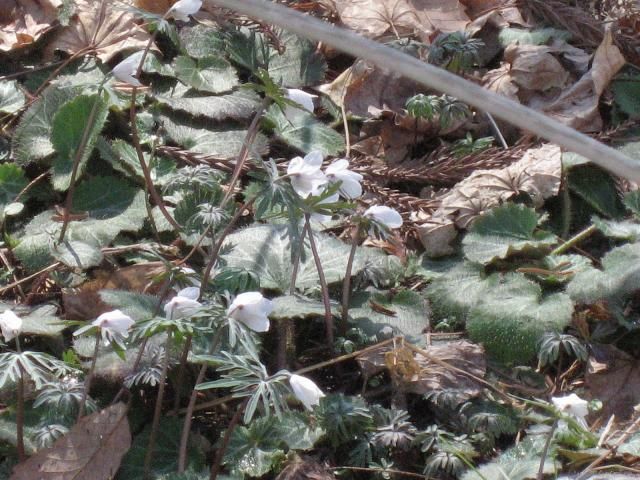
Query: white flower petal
{"x":314,"y":159}
{"x":252,"y":309}
{"x":301,"y":97}
{"x":337,"y":166}
{"x":125,"y":70}
{"x":572,"y":405}
{"x":350,"y":186}
{"x":385,"y":215}
{"x":183,"y":8}
{"x":10,"y":325}
{"x":182,"y":306}
{"x":306,"y":391}
{"x":115,"y":321}
{"x":190,"y":292}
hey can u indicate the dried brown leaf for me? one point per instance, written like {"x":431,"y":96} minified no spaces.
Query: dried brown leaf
{"x":22,"y":22}
{"x":535,"y":68}
{"x":577,"y":107}
{"x":613,"y":377}
{"x":105,"y":28}
{"x":416,"y":374}
{"x":305,"y":468}
{"x":92,"y":450}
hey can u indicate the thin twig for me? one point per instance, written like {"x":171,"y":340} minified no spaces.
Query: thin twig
{"x":438,"y":79}
{"x":88,"y":379}
{"x":30,"y":277}
{"x":328,"y":316}
{"x":186,"y":427}
{"x":547,"y":444}
{"x":155,"y":424}
{"x":576,"y":239}
{"x":20,"y":409}
{"x":383,"y":470}
{"x":12,"y":272}
{"x":217,"y":464}
{"x":496,"y":130}
{"x":346,"y":283}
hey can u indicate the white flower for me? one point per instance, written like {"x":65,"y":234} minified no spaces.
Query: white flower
{"x":339,"y":171}
{"x":384,"y":215}
{"x":252,"y":309}
{"x":573,"y":405}
{"x":306,"y":391}
{"x":191,"y":278}
{"x":184,"y":304}
{"x":301,"y":97}
{"x":183,"y":8}
{"x":305,"y":173}
{"x":126,"y":69}
{"x":113,"y":325}
{"x":10,"y":324}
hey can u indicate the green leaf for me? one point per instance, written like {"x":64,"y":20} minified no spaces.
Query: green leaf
{"x":165,"y":459}
{"x":620,"y":230}
{"x":520,"y":462}
{"x":221,"y":143}
{"x":408,"y":314}
{"x":68,"y":135}
{"x":265,"y":250}
{"x":444,"y":291}
{"x":137,"y":305}
{"x":256,"y":449}
{"x":511,"y":318}
{"x":201,"y":41}
{"x":305,"y":133}
{"x":299,"y":65}
{"x":11,"y":97}
{"x":632,"y":202}
{"x":505,"y":231}
{"x":297,"y":432}
{"x":296,"y":306}
{"x":210,"y":74}
{"x":80,"y":254}
{"x":597,"y":188}
{"x":522,"y":36}
{"x":619,"y":277}
{"x":31,"y":139}
{"x":238,"y":105}
{"x":12,"y":181}
{"x":626,"y":93}
{"x":123,"y":157}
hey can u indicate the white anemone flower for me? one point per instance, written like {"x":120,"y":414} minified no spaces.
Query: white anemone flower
{"x":10,"y":324}
{"x":573,"y":405}
{"x":183,"y":8}
{"x":302,"y":98}
{"x":126,"y":69}
{"x":113,"y":325}
{"x":252,"y":309}
{"x":305,"y":173}
{"x":184,"y":304}
{"x":384,"y":215}
{"x":339,"y":171}
{"x":306,"y":391}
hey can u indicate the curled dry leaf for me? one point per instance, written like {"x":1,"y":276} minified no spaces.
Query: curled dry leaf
{"x":414,"y":373}
{"x":577,"y":107}
{"x":305,"y":468}
{"x":22,"y":22}
{"x":92,"y":450}
{"x":537,"y":173}
{"x":105,"y":28}
{"x":374,"y":18}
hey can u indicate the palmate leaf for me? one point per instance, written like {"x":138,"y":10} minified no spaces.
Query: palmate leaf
{"x":296,"y":306}
{"x":512,"y":317}
{"x":266,"y":250}
{"x":211,"y":74}
{"x":220,"y":143}
{"x":68,"y":132}
{"x":256,"y":449}
{"x":305,"y":133}
{"x":504,"y":231}
{"x":238,"y":105}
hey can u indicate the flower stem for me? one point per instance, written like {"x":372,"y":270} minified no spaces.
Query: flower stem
{"x":148,"y":458}
{"x":573,"y":241}
{"x":346,"y":283}
{"x":181,"y":370}
{"x":20,"y":410}
{"x":89,"y":378}
{"x":543,"y":458}
{"x":217,"y":464}
{"x":186,"y":427}
{"x":328,"y":316}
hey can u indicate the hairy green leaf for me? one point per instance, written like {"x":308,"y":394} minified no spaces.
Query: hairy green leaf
{"x":299,"y":65}
{"x":68,"y":135}
{"x":210,"y":74}
{"x":11,"y":97}
{"x":505,"y":231}
{"x":238,"y":105}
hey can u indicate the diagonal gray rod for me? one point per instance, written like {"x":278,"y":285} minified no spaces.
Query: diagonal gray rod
{"x":440,"y":80}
